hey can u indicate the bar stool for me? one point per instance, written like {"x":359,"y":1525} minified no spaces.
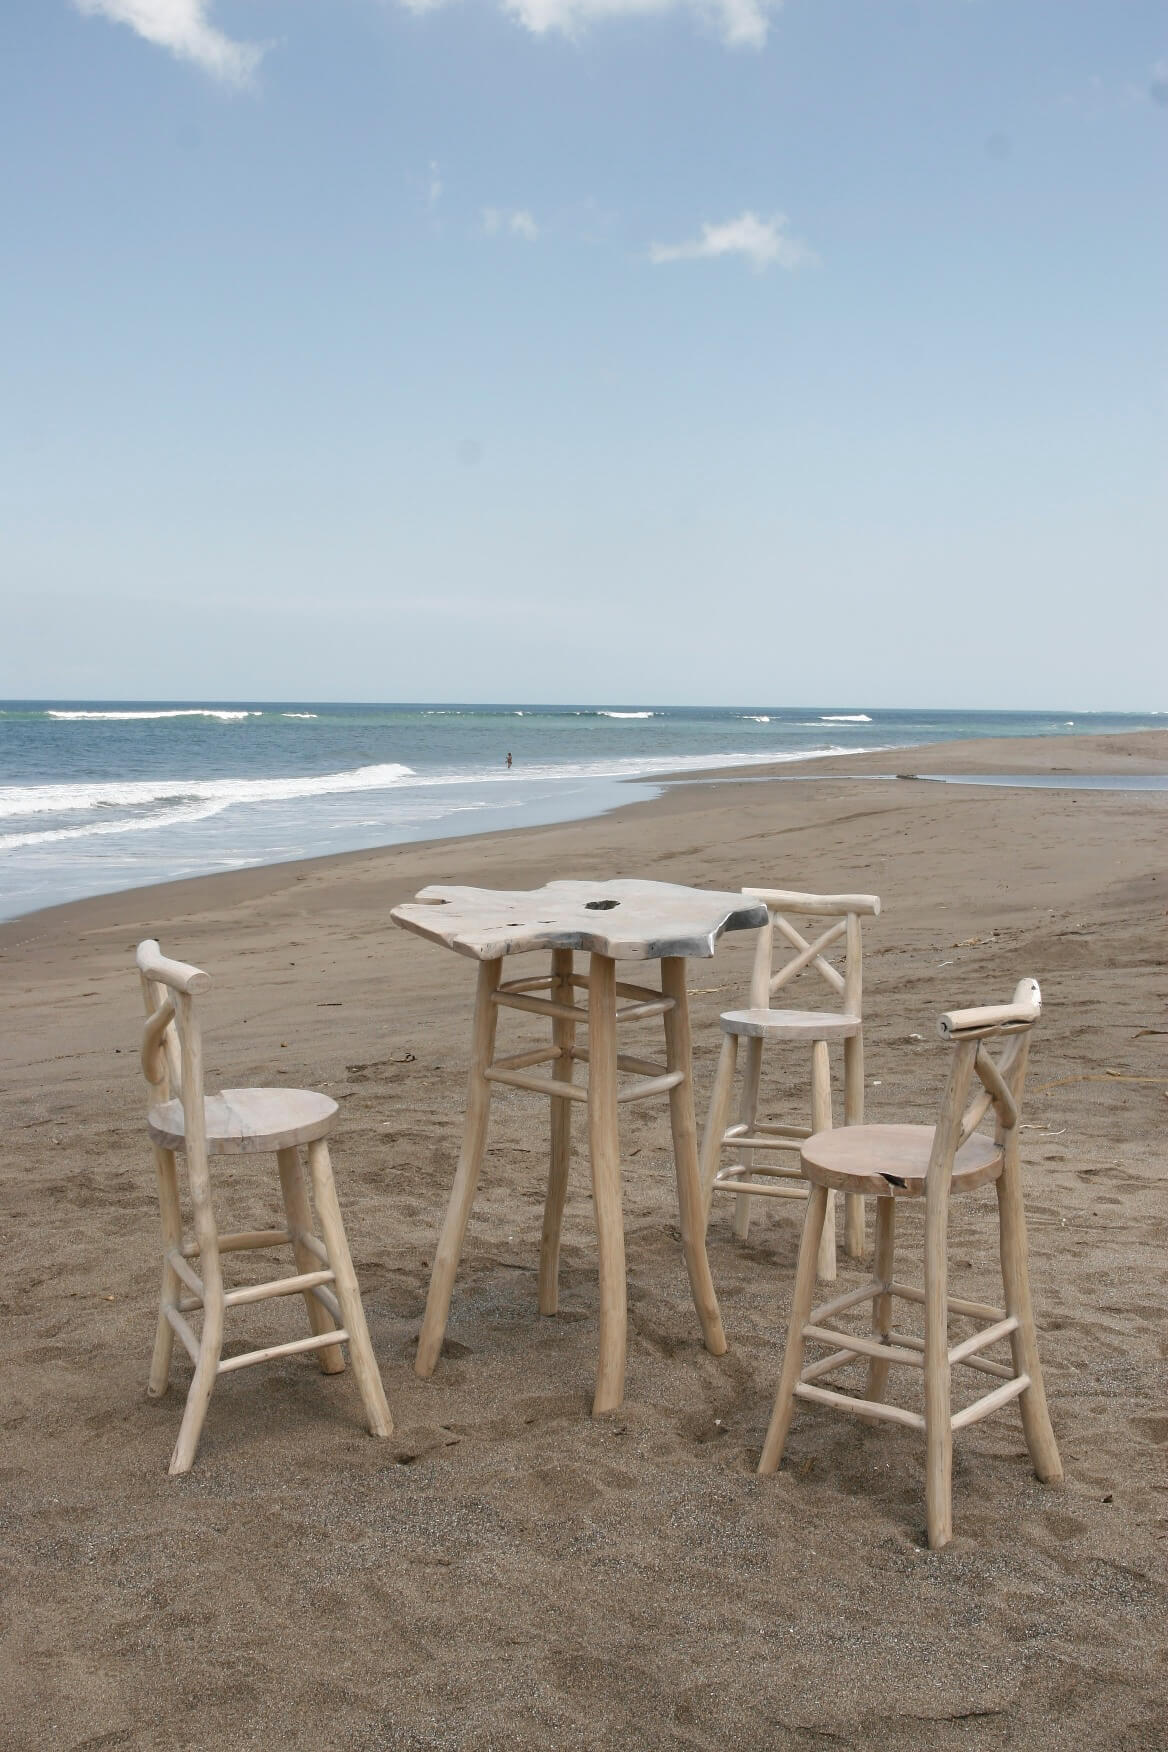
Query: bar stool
{"x":894,"y":1162}
{"x":183,"y":1121}
{"x":761,"y":1023}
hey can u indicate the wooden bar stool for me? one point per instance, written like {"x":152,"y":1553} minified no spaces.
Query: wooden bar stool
{"x":840,"y":915}
{"x":183,"y":1121}
{"x":894,"y":1162}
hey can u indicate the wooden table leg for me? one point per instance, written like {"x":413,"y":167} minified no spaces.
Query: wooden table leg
{"x":563,"y":1036}
{"x":604,"y":1148}
{"x":466,"y":1179}
{"x":691,"y":1205}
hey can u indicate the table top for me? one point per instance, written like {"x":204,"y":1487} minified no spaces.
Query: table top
{"x":629,"y":920}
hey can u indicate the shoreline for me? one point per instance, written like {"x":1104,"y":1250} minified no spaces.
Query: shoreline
{"x":1142,"y":751}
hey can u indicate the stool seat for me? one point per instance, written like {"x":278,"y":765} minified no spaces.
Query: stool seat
{"x":791,"y":1024}
{"x":892,"y":1159}
{"x":241,"y":1122}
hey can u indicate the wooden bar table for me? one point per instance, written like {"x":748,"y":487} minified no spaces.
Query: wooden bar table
{"x":610,"y":922}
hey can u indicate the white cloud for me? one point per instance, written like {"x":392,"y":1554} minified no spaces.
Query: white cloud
{"x":183,"y":27}
{"x":741,"y":23}
{"x":516,"y":222}
{"x":761,"y":241}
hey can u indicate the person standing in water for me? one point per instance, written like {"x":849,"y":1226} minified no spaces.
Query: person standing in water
{"x":508,"y":763}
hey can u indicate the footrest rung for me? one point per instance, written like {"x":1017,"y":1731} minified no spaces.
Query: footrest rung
{"x":289,"y":1286}
{"x":537,"y":1085}
{"x":185,"y":1332}
{"x":875,"y":1409}
{"x":318,"y":1341}
{"x":727,"y":1180}
{"x":990,"y":1402}
{"x":865,"y":1347}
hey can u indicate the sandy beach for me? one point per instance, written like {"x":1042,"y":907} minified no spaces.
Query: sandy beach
{"x":506,"y":1572}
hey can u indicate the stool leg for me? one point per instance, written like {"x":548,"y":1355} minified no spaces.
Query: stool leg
{"x":171,"y":1209}
{"x":938,"y":1410}
{"x":711,"y":1153}
{"x":821,"y":1121}
{"x":882,"y":1305}
{"x":563,"y":1036}
{"x":747,"y":1114}
{"x":206,"y":1365}
{"x":776,"y":1436}
{"x":332,"y":1229}
{"x":1036,"y":1425}
{"x":854,"y":1115}
{"x":604,"y":1149}
{"x":299,"y":1214}
{"x":466,"y":1179}
{"x":679,"y":1057}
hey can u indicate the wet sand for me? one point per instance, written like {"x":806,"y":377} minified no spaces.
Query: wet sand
{"x":506,"y":1572}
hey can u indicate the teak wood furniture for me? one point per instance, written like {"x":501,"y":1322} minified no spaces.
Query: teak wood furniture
{"x":611,"y":921}
{"x":182,"y":1120}
{"x":839,"y":917}
{"x":893,"y":1162}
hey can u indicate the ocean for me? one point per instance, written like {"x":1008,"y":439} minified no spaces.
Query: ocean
{"x":102,"y":796}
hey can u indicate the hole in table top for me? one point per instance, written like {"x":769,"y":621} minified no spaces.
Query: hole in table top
{"x":600,"y":905}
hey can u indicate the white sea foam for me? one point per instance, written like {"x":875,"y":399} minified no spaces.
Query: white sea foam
{"x":224,"y":716}
{"x":626,"y":714}
{"x":844,"y":718}
{"x":755,"y":718}
{"x":300,"y":714}
{"x":58,"y":799}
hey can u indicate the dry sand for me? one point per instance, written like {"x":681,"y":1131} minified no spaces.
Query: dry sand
{"x":506,"y":1572}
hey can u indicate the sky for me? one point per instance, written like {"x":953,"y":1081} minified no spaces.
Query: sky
{"x":665,"y":351}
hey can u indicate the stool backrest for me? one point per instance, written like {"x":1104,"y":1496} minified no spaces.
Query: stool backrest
{"x":172,"y":1048}
{"x":840,"y":914}
{"x":1002,"y":1077}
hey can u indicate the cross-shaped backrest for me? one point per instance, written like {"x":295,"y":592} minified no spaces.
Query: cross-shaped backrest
{"x":840,"y":916}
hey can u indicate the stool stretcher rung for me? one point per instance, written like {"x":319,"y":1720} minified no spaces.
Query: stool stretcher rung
{"x":329,"y":1301}
{"x":624,"y":989}
{"x":289,"y":1286}
{"x":185,"y":1332}
{"x":990,"y":1402}
{"x":642,"y":1011}
{"x":869,"y":1408}
{"x":866,"y":1347}
{"x":302,"y":1238}
{"x":736,"y":1179}
{"x":827,"y":1310}
{"x":318,"y":1341}
{"x":540,"y":1006}
{"x":985,"y":1364}
{"x":980,"y":1340}
{"x":625,"y":1061}
{"x":522,"y":1061}
{"x":187,"y":1273}
{"x":537,"y":1085}
{"x":241,"y":1242}
{"x":955,"y":1304}
{"x":827,"y":1365}
{"x":766,"y":1137}
{"x":653,"y":1086}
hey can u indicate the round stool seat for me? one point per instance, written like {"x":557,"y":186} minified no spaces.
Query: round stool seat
{"x":791,"y":1024}
{"x":247,"y":1121}
{"x":889,"y":1159}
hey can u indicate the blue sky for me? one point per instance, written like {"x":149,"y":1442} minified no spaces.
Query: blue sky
{"x":584,"y":349}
